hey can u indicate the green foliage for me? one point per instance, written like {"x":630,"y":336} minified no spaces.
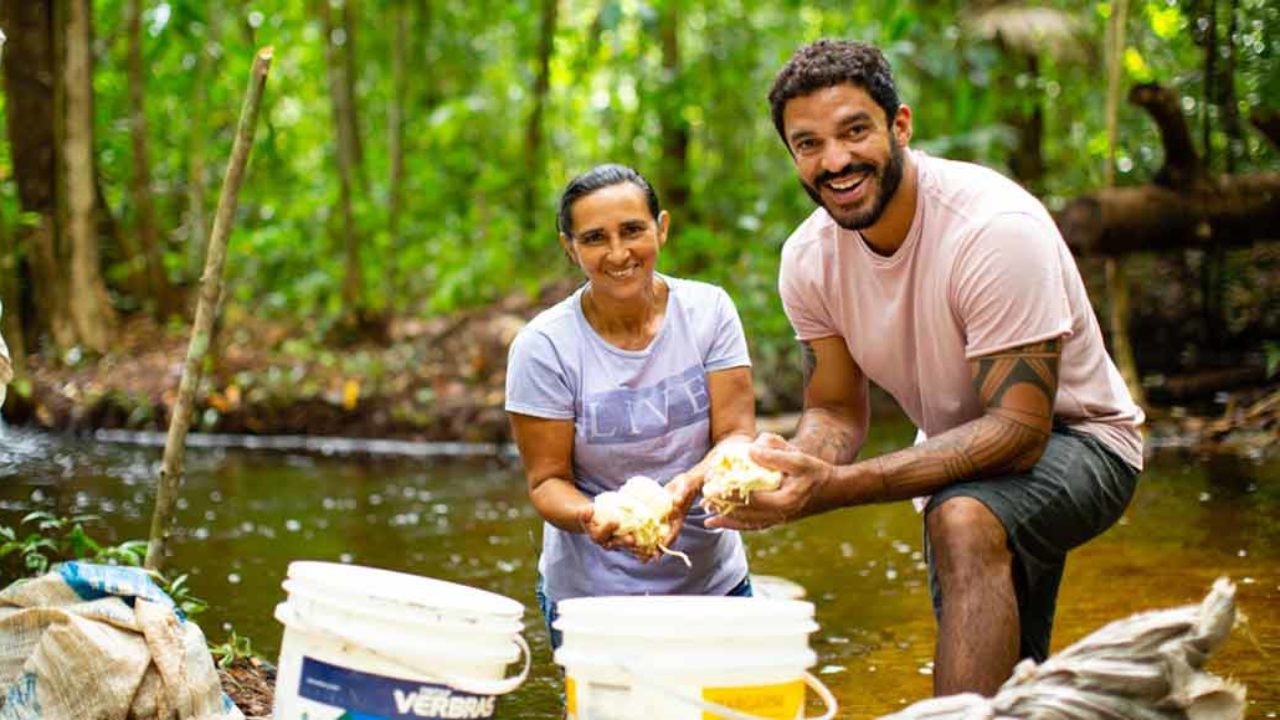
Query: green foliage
{"x":51,"y":539}
{"x":54,"y":538}
{"x":463,"y":239}
{"x":234,"y":649}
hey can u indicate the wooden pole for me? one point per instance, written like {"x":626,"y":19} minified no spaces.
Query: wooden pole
{"x":1117,"y":283}
{"x":171,"y":471}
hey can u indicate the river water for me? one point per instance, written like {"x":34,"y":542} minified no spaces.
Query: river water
{"x":246,"y":513}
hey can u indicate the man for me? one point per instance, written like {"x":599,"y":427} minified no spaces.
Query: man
{"x":950,"y":287}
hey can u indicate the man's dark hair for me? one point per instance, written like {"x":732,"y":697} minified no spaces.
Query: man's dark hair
{"x":599,"y":177}
{"x":827,"y":63}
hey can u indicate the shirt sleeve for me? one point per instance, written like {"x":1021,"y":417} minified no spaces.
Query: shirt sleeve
{"x":729,"y":345}
{"x":801,"y":298}
{"x":537,"y":383}
{"x":1008,"y":288}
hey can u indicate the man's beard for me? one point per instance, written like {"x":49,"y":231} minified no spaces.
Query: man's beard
{"x":887,"y":178}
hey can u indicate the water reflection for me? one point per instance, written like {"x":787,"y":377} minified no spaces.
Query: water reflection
{"x":247,"y":514}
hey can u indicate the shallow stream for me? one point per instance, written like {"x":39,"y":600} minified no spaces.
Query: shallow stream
{"x":246,"y":513}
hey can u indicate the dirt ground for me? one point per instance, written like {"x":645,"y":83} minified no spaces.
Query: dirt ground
{"x":437,"y":379}
{"x":250,"y":683}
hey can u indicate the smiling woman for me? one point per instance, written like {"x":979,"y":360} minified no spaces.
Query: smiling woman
{"x":636,"y":373}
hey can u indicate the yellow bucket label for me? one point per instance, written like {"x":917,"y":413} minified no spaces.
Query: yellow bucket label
{"x":571,"y":698}
{"x":775,"y":702}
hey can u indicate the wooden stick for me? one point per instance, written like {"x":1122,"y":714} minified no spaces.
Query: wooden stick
{"x":1116,"y":280}
{"x":171,"y":472}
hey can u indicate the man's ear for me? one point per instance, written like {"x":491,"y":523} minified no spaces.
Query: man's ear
{"x":902,"y":127}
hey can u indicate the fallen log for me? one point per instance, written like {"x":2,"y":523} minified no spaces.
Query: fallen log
{"x":1235,"y":210}
{"x":1184,"y":207}
{"x":1204,"y":383}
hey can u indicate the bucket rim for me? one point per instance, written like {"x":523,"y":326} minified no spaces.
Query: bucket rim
{"x":690,"y":608}
{"x":285,"y":614}
{"x":417,"y":615}
{"x":600,"y":627}
{"x":677,"y":663}
{"x":402,"y":588}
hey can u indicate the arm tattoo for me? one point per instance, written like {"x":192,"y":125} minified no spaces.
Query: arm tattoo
{"x":1017,"y":387}
{"x":821,"y":436}
{"x":1036,"y":366}
{"x":809,"y":360}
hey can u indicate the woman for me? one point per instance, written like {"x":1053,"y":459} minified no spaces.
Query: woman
{"x":636,"y":373}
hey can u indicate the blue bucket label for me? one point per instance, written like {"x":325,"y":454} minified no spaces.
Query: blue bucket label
{"x":331,"y":692}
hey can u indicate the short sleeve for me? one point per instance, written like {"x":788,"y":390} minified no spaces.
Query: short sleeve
{"x":537,"y":383}
{"x":729,"y":345}
{"x":800,"y":299}
{"x":1007,"y":286}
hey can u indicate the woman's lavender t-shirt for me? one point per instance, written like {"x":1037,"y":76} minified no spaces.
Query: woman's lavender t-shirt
{"x":635,"y":412}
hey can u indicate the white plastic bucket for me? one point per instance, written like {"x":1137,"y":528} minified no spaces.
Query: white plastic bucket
{"x":687,"y":658}
{"x":372,"y":642}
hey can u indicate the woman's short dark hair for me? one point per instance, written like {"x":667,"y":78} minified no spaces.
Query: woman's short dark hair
{"x":598,"y":178}
{"x":827,"y":63}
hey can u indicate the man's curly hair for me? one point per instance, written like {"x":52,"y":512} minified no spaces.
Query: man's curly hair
{"x":827,"y":63}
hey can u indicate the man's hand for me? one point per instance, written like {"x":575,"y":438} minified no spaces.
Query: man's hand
{"x":804,"y":479}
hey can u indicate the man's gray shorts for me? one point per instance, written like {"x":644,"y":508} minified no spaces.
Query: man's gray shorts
{"x":1078,"y":489}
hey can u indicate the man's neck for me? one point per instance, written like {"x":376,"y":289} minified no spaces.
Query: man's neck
{"x":890,"y":231}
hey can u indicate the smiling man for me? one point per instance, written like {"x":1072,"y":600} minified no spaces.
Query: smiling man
{"x":950,"y":287}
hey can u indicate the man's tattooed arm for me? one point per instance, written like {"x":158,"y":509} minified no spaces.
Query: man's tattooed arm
{"x":1017,"y":388}
{"x":834,"y":422}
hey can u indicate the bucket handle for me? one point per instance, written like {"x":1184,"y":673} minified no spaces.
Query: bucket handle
{"x":467,"y":685}
{"x":811,"y":681}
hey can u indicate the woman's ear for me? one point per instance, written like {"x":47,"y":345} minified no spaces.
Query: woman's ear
{"x":664,"y":224}
{"x":566,"y":244}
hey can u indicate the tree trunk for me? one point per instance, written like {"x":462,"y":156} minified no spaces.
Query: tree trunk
{"x":91,"y":311}
{"x":172,"y":469}
{"x":675,"y":129}
{"x":11,"y":300}
{"x":1267,"y":122}
{"x":350,"y":21}
{"x":1229,"y":105}
{"x":424,"y":25}
{"x":343,"y":117}
{"x":157,"y":283}
{"x":32,"y":79}
{"x":395,"y":127}
{"x":1027,"y":161}
{"x":535,"y":166}
{"x":1206,"y":35}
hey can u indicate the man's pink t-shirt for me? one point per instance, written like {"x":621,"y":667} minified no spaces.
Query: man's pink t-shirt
{"x":983,"y":269}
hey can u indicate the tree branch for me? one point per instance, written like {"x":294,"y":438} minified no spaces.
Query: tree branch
{"x":1183,"y":167}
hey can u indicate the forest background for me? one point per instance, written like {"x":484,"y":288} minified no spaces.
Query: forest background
{"x":397,"y":221}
